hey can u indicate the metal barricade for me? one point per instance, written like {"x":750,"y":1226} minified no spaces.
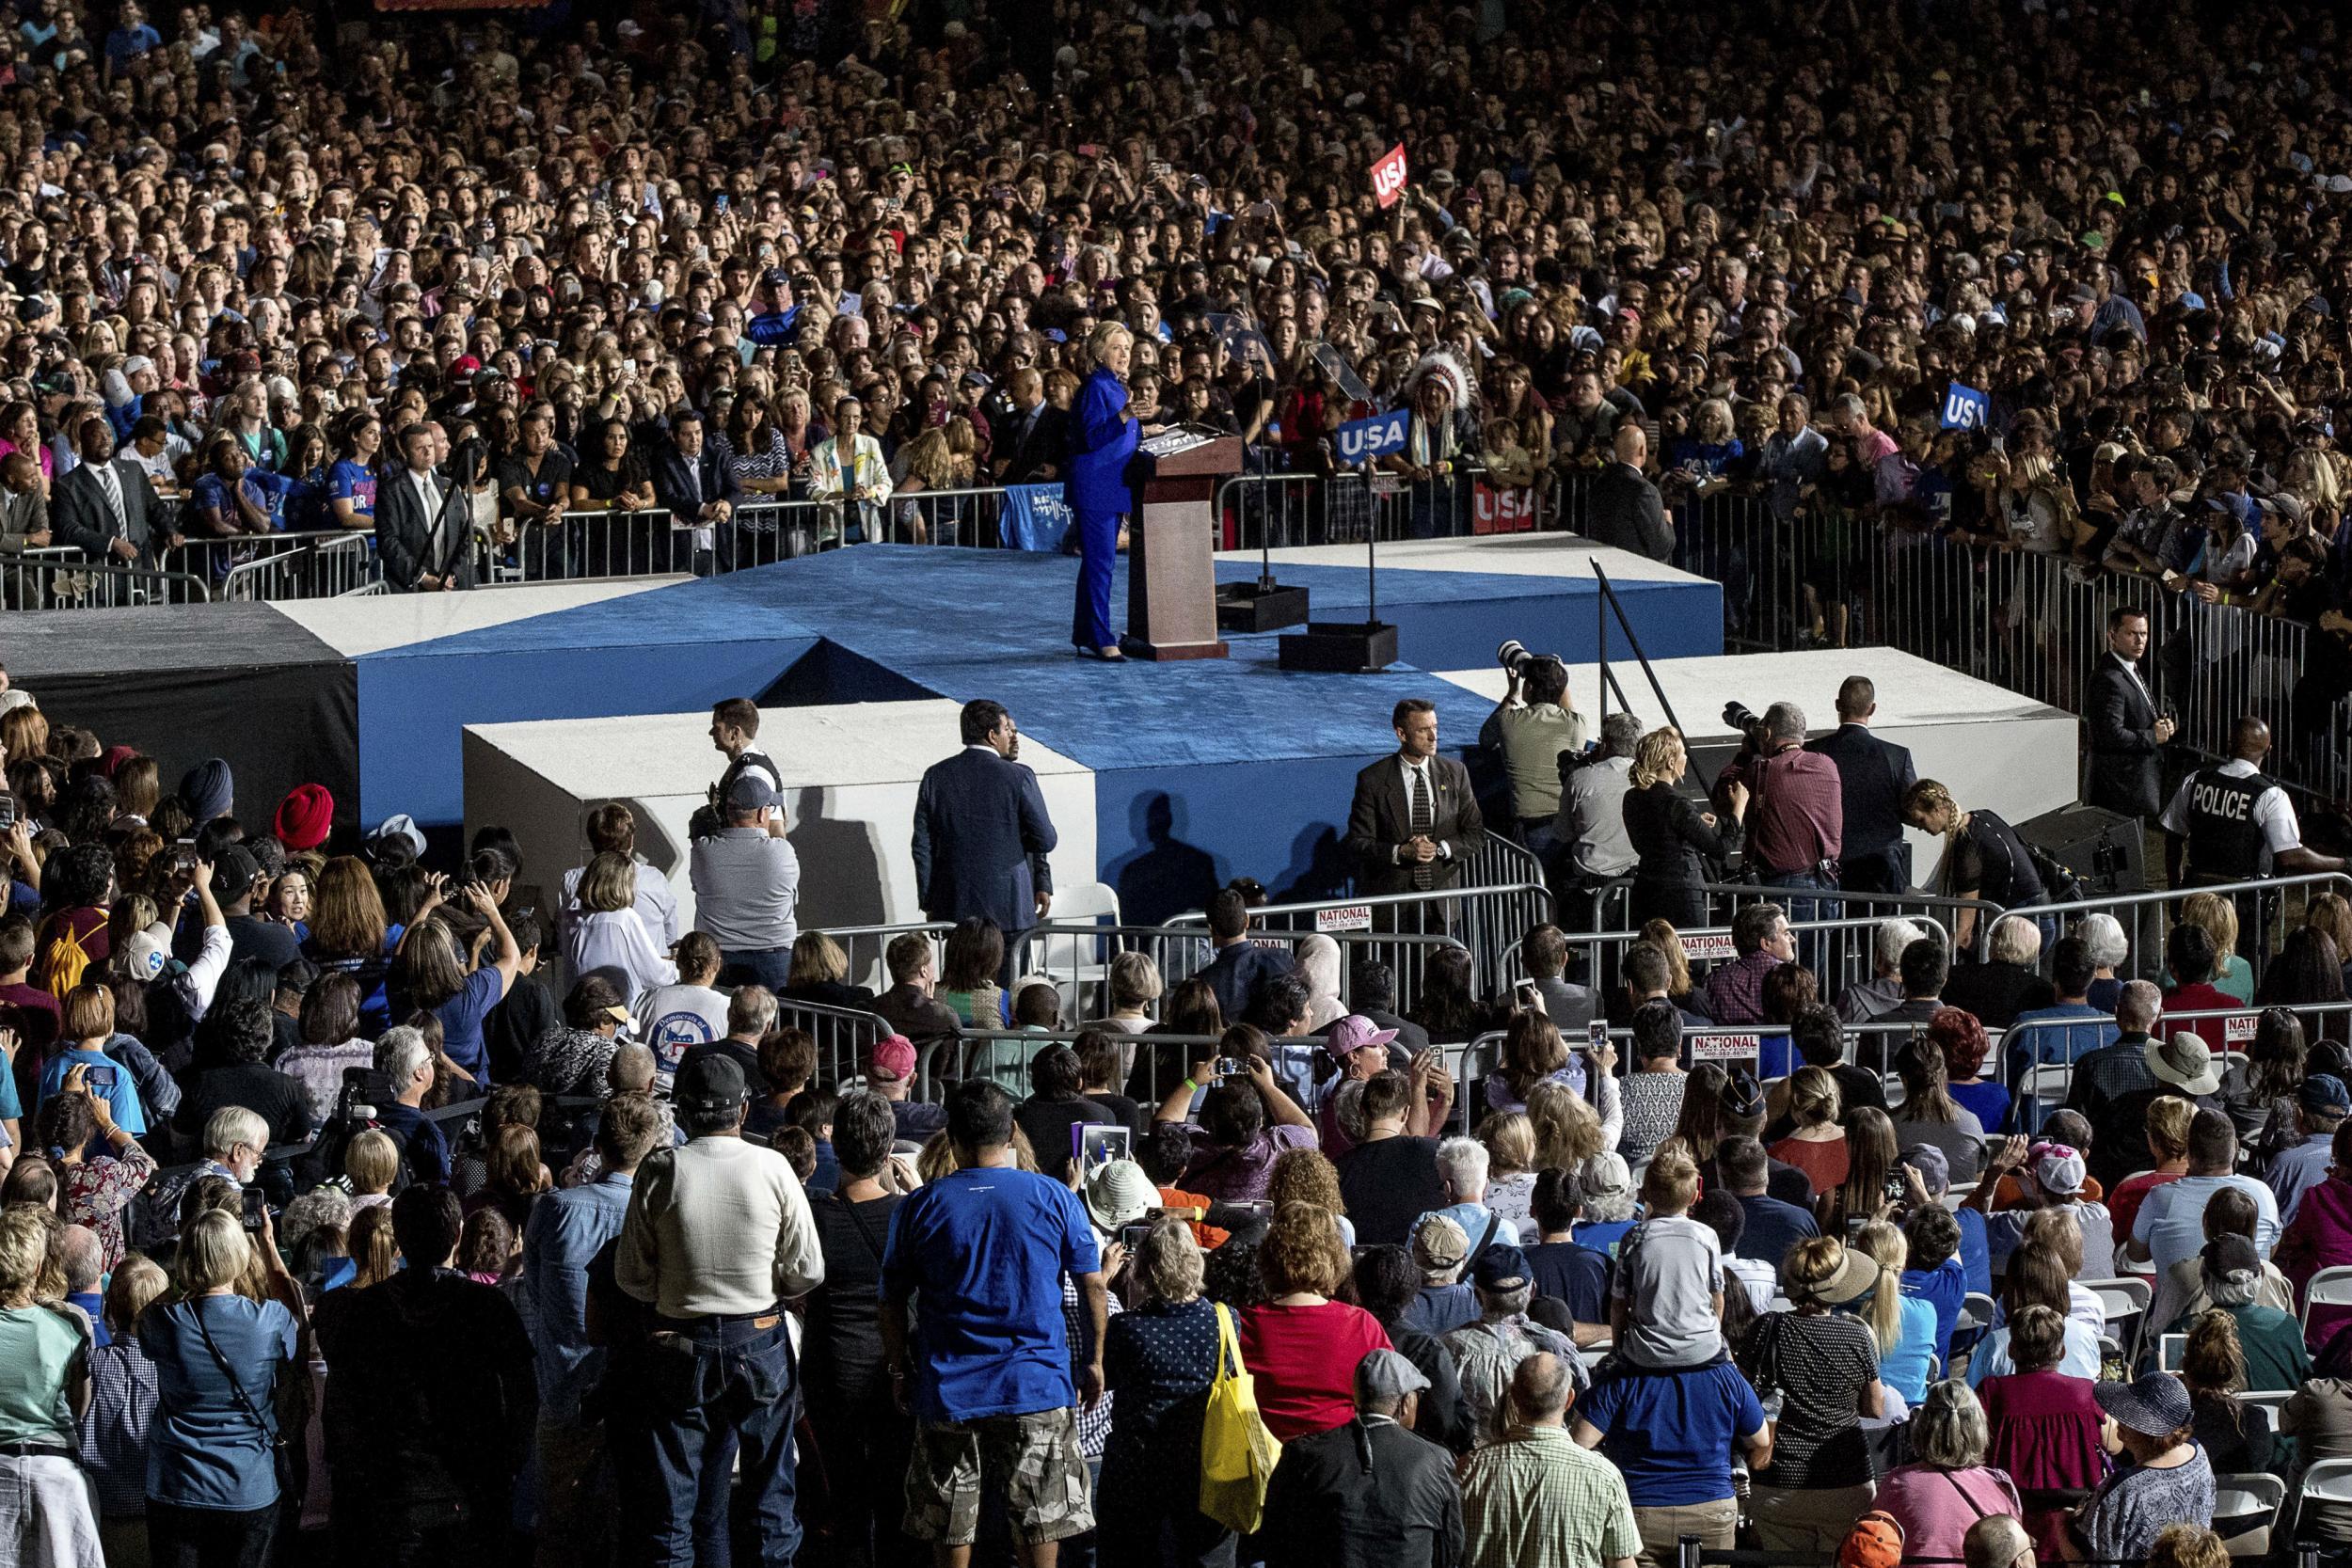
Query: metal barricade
{"x":1845,"y":946}
{"x":1277,"y":511}
{"x":844,"y":1036}
{"x":1003,"y":1056}
{"x":867,"y":947}
{"x":23,"y":585}
{"x":327,"y":568}
{"x":2146,"y":917}
{"x":214,"y":559}
{"x":57,"y":583}
{"x":1075,"y":957}
{"x":1485,"y":920}
{"x":969,"y":516}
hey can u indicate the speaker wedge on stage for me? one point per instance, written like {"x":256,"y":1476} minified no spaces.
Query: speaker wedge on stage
{"x":1339,"y":647}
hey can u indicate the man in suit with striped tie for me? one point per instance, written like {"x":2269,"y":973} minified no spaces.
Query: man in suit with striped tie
{"x":1415,"y":823}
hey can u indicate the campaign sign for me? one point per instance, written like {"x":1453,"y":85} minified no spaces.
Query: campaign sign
{"x":1363,"y":439}
{"x":1965,"y":409}
{"x":1388,"y":176}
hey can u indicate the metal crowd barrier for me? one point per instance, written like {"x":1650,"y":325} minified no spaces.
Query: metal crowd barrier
{"x":1003,"y":1055}
{"x":328,"y":568}
{"x":1841,"y":951}
{"x":1275,"y":510}
{"x":57,"y":582}
{"x":869,"y":946}
{"x":1076,"y":958}
{"x":2147,"y":918}
{"x":844,"y":1036}
{"x":21,"y":584}
{"x":215,"y":559}
{"x":1485,"y":920}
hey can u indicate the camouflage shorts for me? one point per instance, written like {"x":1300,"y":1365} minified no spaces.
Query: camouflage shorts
{"x":1034,"y":1458}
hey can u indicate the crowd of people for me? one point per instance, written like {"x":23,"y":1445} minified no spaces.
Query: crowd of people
{"x":554,"y":1272}
{"x":353,"y":1212}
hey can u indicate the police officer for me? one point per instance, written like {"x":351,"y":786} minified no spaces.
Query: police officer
{"x":2229,"y":823}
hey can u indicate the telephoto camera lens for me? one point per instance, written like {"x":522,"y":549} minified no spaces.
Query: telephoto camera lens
{"x":1512,"y":655}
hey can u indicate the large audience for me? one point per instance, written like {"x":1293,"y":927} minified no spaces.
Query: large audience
{"x":323,"y":1235}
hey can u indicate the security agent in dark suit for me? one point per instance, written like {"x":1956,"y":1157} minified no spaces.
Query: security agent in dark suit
{"x":1624,"y":508}
{"x":1033,"y":436}
{"x":981,"y":833}
{"x":2127,"y":729}
{"x":691,"y":484}
{"x":1414,"y":822}
{"x":108,"y":509}
{"x":423,"y":528}
{"x":1872,"y":775}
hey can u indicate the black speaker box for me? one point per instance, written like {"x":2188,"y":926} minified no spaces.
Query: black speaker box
{"x":2103,"y":850}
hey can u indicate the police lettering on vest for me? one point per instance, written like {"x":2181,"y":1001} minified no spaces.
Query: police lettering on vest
{"x":2225,"y":843}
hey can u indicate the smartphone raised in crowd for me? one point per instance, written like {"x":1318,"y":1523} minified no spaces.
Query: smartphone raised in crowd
{"x":1598,"y":1039}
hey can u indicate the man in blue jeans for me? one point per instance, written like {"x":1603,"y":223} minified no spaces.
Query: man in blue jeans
{"x":718,"y":1236}
{"x":987,"y":1369}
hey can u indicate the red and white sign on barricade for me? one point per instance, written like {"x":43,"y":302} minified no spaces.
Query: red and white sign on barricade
{"x":1344,"y":917}
{"x":2240,"y":1028}
{"x":1725,"y":1048}
{"x":1388,"y":176}
{"x":1707,"y":948}
{"x":1497,"y":510}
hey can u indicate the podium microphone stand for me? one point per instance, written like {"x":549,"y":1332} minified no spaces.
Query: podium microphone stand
{"x":1347,"y":647}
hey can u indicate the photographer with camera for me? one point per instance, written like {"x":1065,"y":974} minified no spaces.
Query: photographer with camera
{"x":1796,"y":811}
{"x":1532,"y":730}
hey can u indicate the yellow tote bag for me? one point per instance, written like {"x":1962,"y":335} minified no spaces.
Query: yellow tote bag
{"x":1237,"y":1452}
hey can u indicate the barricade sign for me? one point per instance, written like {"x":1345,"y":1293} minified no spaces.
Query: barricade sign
{"x":1344,"y":917}
{"x":1708,"y":947}
{"x":2240,"y":1028}
{"x":1725,"y":1048}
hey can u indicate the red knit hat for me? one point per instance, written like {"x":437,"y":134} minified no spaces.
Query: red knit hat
{"x":305,"y":816}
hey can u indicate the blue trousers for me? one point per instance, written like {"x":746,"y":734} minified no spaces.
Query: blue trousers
{"x":723,"y":1387}
{"x":1098,"y":553}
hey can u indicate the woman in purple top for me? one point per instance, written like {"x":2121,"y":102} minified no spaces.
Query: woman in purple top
{"x":2045,"y":1428}
{"x":1235,"y":1150}
{"x":1948,"y":1487}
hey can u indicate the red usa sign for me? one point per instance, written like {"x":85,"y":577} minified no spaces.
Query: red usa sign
{"x":1388,"y":176}
{"x":1496,"y":511}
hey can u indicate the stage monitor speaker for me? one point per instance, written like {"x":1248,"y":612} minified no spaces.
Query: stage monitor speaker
{"x":2101,"y":848}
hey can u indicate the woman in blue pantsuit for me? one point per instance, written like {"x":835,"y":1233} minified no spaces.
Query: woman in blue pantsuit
{"x":1103,"y":435}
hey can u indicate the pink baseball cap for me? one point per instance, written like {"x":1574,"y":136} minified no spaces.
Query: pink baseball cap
{"x":894,"y":1058}
{"x":1354,"y":1033}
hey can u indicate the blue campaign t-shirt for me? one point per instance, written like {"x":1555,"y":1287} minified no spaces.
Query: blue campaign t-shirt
{"x":355,"y":482}
{"x":987,"y":1247}
{"x":1975,"y":1251}
{"x":1670,"y":1432}
{"x":1603,"y":1236}
{"x":1944,"y":1288}
{"x":1577,"y":1276}
{"x":461,"y":1018}
{"x":205,"y":1449}
{"x":122,"y":1095}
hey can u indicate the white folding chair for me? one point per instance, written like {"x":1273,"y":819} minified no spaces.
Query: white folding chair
{"x":2328,"y":1482}
{"x":1974,"y":1322}
{"x":2171,"y":1350}
{"x":2329,"y":1288}
{"x":1069,"y":958}
{"x":2245,"y":1512}
{"x":2125,"y":1305}
{"x":2272,"y":1400}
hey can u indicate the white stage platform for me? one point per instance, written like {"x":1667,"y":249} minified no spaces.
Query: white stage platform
{"x":850,"y":776}
{"x":1989,"y":746}
{"x":1547,"y":555}
{"x":372,"y":622}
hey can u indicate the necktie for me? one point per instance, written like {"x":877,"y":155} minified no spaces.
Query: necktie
{"x":1424,"y":816}
{"x":111,"y":482}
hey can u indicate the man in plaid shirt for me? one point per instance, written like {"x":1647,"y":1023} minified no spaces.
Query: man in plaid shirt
{"x":1536,"y":1499}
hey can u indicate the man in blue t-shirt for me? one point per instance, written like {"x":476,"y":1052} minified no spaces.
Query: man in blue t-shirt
{"x":1671,"y":1433}
{"x":1937,"y":1275}
{"x":987,"y":1368}
{"x":1773,"y":1226}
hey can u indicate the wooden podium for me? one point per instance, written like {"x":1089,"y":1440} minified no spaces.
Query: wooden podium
{"x":1171,"y":582}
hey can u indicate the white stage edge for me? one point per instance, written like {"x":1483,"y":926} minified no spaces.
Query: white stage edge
{"x":851,"y":773}
{"x":372,"y":622}
{"x":1989,"y":746}
{"x":1548,"y":555}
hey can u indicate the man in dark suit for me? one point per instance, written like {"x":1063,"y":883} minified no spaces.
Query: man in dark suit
{"x":981,"y":834}
{"x":108,"y":509}
{"x":1872,"y":775}
{"x":691,"y":484}
{"x":2126,"y":729}
{"x":1034,"y":434}
{"x":1623,"y":508}
{"x":1414,"y":823}
{"x":422,"y":534}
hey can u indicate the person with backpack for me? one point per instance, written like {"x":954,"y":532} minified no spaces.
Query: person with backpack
{"x":77,"y":886}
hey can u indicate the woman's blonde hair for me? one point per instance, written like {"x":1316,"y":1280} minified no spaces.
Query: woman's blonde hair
{"x":23,"y":1250}
{"x":817,"y":956}
{"x":1662,"y":935}
{"x":212,"y":1252}
{"x":1949,"y":1428}
{"x":1510,"y":1140}
{"x":1101,"y":339}
{"x":372,"y":1160}
{"x":2217,"y":918}
{"x":1657,"y":757}
{"x":1567,"y":1132}
{"x":1305,"y":1175}
{"x":1925,"y":802}
{"x":609,"y":884}
{"x":1302,"y":1252}
{"x":374,"y":1253}
{"x":1884,"y":1314}
{"x":1813,"y":1097}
